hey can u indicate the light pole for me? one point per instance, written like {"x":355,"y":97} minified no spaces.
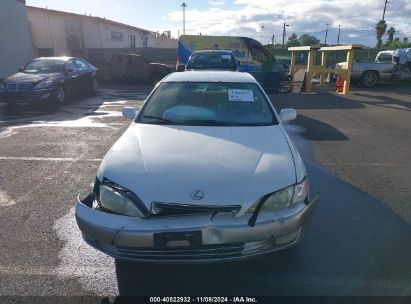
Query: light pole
{"x":284,"y":32}
{"x":184,"y":5}
{"x":326,"y":34}
{"x":262,"y":34}
{"x":339,"y":31}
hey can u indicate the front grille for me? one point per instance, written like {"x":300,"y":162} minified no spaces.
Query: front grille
{"x":18,"y":87}
{"x":167,"y":209}
{"x":200,"y":253}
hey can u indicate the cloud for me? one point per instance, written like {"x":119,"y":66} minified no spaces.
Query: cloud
{"x":216,"y":2}
{"x":245,"y":17}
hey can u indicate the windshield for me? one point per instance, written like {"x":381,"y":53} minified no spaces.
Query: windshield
{"x":211,"y":104}
{"x":44,"y":67}
{"x":212,"y":60}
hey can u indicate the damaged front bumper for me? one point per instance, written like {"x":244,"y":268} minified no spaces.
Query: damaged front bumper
{"x":216,"y":237}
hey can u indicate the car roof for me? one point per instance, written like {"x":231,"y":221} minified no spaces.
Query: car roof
{"x":213,"y":51}
{"x":387,"y":52}
{"x":210,"y":76}
{"x":64,"y":58}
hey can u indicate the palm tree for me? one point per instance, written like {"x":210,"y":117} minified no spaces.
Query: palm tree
{"x":391,"y":33}
{"x":380,"y":28}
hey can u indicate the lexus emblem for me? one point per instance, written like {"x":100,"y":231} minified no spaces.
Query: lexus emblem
{"x":197,"y":195}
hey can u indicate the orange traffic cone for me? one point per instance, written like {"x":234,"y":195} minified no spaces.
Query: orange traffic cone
{"x":339,"y":84}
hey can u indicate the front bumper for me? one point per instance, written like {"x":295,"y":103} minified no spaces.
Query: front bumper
{"x":224,"y":237}
{"x":26,"y":96}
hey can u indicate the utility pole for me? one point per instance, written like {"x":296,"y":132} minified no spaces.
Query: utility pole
{"x":385,"y":7}
{"x":339,"y":30}
{"x":272,"y":39}
{"x":326,"y":34}
{"x":262,"y":34}
{"x":284,"y":32}
{"x":184,"y":5}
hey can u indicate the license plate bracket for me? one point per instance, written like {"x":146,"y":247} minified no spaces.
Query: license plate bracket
{"x":193,"y":238}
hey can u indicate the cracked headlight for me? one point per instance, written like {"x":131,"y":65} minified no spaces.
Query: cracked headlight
{"x":301,"y":191}
{"x":113,"y":200}
{"x":283,"y":198}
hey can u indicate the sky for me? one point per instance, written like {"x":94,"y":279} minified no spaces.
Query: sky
{"x":258,"y":19}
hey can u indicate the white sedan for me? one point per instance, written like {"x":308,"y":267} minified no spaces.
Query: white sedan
{"x":205,"y":173}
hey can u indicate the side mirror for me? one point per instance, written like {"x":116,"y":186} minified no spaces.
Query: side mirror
{"x":181,"y":68}
{"x":287,"y":115}
{"x":21,"y":69}
{"x":129,"y":112}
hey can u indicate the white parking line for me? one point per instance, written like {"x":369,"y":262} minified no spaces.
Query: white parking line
{"x":55,"y":159}
{"x":5,"y":200}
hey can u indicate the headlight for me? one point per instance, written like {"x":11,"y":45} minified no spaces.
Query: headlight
{"x":301,"y":191}
{"x":116,"y":202}
{"x":44,"y":84}
{"x":283,"y":198}
{"x":2,"y":87}
{"x":275,"y":201}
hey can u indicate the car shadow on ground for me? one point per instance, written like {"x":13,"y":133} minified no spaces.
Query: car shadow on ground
{"x":387,"y":102}
{"x":322,"y":100}
{"x":318,"y":130}
{"x":325,"y":98}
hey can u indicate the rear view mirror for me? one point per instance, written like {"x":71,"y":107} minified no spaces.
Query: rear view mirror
{"x":181,"y":68}
{"x":287,"y":115}
{"x":129,"y":112}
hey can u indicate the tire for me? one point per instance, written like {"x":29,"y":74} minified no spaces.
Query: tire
{"x":93,"y":87}
{"x":61,"y":95}
{"x":369,"y":79}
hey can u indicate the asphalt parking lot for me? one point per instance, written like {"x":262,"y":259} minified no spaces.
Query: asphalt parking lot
{"x":357,"y":150}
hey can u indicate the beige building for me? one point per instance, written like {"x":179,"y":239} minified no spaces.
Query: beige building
{"x":16,"y":48}
{"x":60,"y":33}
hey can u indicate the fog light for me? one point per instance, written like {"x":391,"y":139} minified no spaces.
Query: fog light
{"x":284,"y":239}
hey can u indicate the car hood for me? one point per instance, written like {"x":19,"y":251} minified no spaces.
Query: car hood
{"x":231,"y":165}
{"x":160,"y":67}
{"x":33,"y":78}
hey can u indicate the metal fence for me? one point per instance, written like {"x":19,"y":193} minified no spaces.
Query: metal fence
{"x":104,"y":56}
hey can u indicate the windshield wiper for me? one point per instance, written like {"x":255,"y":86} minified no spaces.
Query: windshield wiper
{"x":161,"y":119}
{"x":212,"y":122}
{"x":208,"y":122}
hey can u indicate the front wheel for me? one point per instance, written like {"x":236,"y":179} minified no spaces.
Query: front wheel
{"x":93,"y":87}
{"x":61,"y":96}
{"x":369,"y":79}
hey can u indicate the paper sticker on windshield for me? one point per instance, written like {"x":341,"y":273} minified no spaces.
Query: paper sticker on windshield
{"x":225,"y":57}
{"x":240,"y":95}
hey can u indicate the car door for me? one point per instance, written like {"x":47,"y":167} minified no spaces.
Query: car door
{"x":84,"y":75}
{"x":72,"y":78}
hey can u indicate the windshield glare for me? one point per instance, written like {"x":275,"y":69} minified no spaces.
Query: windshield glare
{"x":212,"y":61}
{"x":44,"y":67}
{"x":234,"y":104}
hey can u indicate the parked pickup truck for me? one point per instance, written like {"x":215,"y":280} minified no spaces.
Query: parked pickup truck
{"x":369,"y":73}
